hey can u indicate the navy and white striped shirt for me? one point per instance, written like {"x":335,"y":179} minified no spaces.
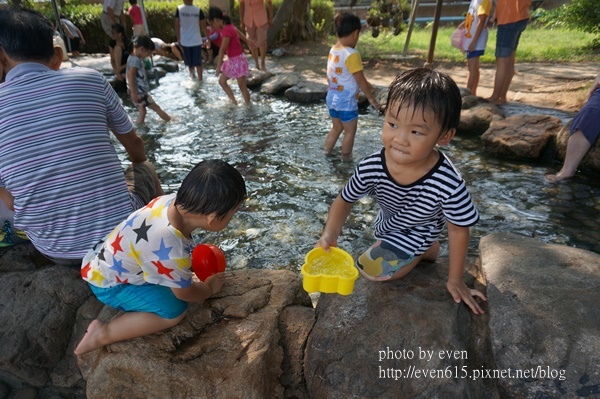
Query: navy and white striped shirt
{"x":57,"y":158}
{"x":411,"y":217}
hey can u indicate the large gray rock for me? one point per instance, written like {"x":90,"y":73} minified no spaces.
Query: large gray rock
{"x":229,"y":347}
{"x":38,"y":316}
{"x":476,"y":119}
{"x":379,"y":341}
{"x":590,"y":162}
{"x":521,"y":136}
{"x":307,"y":92}
{"x":544,"y":316}
{"x":279,"y":83}
{"x":257,"y":78}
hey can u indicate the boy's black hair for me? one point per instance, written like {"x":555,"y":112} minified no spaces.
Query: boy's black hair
{"x":213,"y":186}
{"x":144,"y":41}
{"x":346,"y":23}
{"x":132,"y":2}
{"x":26,"y":35}
{"x":426,"y":89}
{"x":217,"y":13}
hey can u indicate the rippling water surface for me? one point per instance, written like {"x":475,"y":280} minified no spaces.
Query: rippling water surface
{"x":277,"y":145}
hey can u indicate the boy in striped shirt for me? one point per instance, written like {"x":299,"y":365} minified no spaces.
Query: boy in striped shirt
{"x":417,"y":187}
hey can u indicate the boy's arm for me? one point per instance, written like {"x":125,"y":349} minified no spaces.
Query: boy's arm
{"x":481,"y":22}
{"x":178,"y":30}
{"x":244,"y":39}
{"x":133,"y":144}
{"x":199,"y":291}
{"x":81,"y":39}
{"x":132,"y":84}
{"x":204,"y":29}
{"x":222,"y":49}
{"x":366,"y":88}
{"x":458,"y":242}
{"x":242,"y":9}
{"x":338,"y":213}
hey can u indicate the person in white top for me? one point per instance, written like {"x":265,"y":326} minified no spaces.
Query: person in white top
{"x":476,"y":36}
{"x":189,"y":21}
{"x":112,"y":13}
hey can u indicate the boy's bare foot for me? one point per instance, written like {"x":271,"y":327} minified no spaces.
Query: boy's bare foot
{"x":557,"y":178}
{"x":90,"y":340}
{"x":496,"y":100}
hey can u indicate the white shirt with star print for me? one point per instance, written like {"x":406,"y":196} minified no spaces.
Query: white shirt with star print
{"x":142,"y":249}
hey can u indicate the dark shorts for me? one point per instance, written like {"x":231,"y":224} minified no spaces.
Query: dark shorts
{"x":75,"y":43}
{"x":140,"y":182}
{"x":145,"y":100}
{"x":588,"y":119}
{"x":192,"y":56}
{"x":507,"y":38}
{"x":476,"y":53}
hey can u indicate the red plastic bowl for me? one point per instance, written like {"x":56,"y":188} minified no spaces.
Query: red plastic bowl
{"x":207,"y":259}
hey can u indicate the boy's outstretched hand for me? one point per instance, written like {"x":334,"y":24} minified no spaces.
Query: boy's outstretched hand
{"x":460,"y":292}
{"x":215,"y":282}
{"x":326,"y":241}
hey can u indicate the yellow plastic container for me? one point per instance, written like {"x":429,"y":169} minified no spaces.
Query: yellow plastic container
{"x":329,"y":272}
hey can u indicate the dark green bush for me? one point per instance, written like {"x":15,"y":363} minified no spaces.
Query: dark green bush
{"x":161,"y":19}
{"x":583,"y":15}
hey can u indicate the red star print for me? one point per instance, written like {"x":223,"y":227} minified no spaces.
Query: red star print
{"x":151,"y":203}
{"x":121,"y":281}
{"x":85,"y":270}
{"x":162,"y":269}
{"x":116,"y":244}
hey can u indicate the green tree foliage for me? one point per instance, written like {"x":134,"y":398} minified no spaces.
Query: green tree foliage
{"x":161,"y":19}
{"x":583,"y":15}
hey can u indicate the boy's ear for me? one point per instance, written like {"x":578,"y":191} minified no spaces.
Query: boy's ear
{"x":211,"y":218}
{"x":445,"y":137}
{"x":56,"y":59}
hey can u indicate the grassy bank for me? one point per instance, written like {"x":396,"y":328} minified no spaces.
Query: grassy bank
{"x":536,"y":45}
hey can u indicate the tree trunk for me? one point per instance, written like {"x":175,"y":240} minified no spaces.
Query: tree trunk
{"x":296,"y":14}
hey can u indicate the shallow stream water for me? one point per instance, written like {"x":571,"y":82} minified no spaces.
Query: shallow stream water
{"x":277,"y":145}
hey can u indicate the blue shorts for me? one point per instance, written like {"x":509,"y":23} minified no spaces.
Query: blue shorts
{"x":344,"y":116}
{"x":507,"y":38}
{"x":147,"y":298}
{"x":192,"y":56}
{"x":476,"y":53}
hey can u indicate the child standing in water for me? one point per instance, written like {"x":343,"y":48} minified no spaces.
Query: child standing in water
{"x":345,"y":76}
{"x":236,"y":64}
{"x":143,"y":267}
{"x":416,"y":186}
{"x":137,"y":81}
{"x":135,"y":12}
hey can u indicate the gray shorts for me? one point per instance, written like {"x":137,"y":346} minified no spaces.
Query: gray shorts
{"x":140,"y":183}
{"x":107,"y":23}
